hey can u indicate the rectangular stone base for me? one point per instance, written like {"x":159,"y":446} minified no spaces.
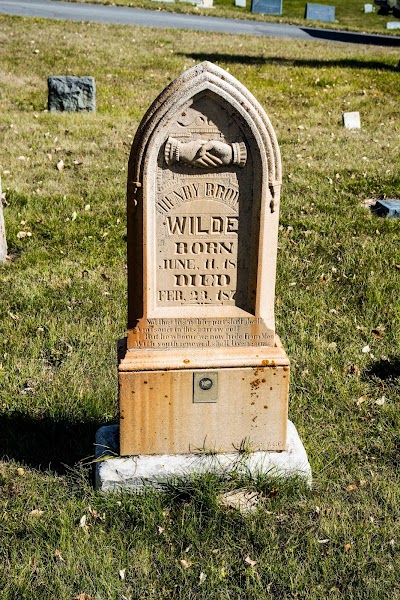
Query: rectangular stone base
{"x":114,"y":472}
{"x":178,"y":402}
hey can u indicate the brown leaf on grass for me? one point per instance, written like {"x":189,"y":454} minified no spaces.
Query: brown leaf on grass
{"x":347,"y":547}
{"x":185,"y":564}
{"x":274,"y":492}
{"x":250,"y":562}
{"x":353,"y":487}
{"x":361,"y":399}
{"x":243,"y":500}
{"x":36,"y":512}
{"x":58,"y":556}
{"x":21,"y":471}
{"x":352,"y":370}
{"x":83,"y":597}
{"x":60,"y":165}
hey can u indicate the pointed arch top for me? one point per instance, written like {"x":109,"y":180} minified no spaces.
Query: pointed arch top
{"x":202,"y":77}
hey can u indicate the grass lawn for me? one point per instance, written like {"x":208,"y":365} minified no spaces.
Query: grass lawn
{"x":63,"y":307}
{"x":349,"y":14}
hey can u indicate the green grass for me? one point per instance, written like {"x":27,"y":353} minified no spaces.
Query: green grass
{"x":349,"y":14}
{"x":63,"y":307}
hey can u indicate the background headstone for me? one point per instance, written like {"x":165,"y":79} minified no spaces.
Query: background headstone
{"x":241,"y":3}
{"x":71,"y":94}
{"x":320,"y":12}
{"x":267,"y":7}
{"x":387,"y":208}
{"x":3,"y":241}
{"x":393,"y":25}
{"x":351,"y":120}
{"x":369,"y":8}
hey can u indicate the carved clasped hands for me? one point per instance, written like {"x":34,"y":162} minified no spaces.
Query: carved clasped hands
{"x":205,"y":154}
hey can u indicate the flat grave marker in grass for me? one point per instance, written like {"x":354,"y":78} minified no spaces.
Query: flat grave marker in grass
{"x":320,"y":12}
{"x":71,"y":94}
{"x":351,"y":120}
{"x":267,"y":7}
{"x":3,"y":240}
{"x":204,"y":368}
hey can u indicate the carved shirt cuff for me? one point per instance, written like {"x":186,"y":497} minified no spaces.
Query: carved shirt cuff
{"x":239,"y":152}
{"x":172,"y":151}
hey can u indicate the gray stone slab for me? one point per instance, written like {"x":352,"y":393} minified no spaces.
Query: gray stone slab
{"x":71,"y":94}
{"x":320,"y":12}
{"x":351,"y":120}
{"x":113,"y":473}
{"x":3,"y":241}
{"x":241,"y":3}
{"x":387,"y":208}
{"x":267,"y":7}
{"x":393,"y":25}
{"x":369,"y":8}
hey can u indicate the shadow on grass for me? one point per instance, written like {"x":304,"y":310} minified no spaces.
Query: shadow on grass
{"x":45,"y":443}
{"x":384,"y":369}
{"x":286,"y":62}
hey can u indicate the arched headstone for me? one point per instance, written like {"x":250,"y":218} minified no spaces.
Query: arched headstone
{"x":203,"y":367}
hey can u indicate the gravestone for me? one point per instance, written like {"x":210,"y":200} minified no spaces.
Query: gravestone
{"x":351,"y":120}
{"x":3,"y":240}
{"x":267,"y":7}
{"x":369,"y":8}
{"x":393,"y":25}
{"x":203,"y":369}
{"x":387,"y":208}
{"x":241,"y":3}
{"x":71,"y":94}
{"x":320,"y":12}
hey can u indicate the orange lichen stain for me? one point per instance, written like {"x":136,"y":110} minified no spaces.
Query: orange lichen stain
{"x":286,"y":368}
{"x":265,"y":406}
{"x":270,"y":387}
{"x":263,"y":380}
{"x":265,"y":362}
{"x":145,"y":381}
{"x":254,"y":419}
{"x":186,"y":361}
{"x":252,"y":404}
{"x":255,"y":384}
{"x":165,"y":396}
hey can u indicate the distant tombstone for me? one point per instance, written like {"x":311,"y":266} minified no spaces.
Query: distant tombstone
{"x":369,"y":8}
{"x":387,"y":208}
{"x":203,"y":368}
{"x":320,"y":12}
{"x":267,"y":7}
{"x":3,"y":241}
{"x":351,"y":120}
{"x":71,"y":94}
{"x":240,"y":3}
{"x":206,"y":4}
{"x":393,"y":25}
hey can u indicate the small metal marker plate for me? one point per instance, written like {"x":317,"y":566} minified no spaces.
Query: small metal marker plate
{"x":205,"y":386}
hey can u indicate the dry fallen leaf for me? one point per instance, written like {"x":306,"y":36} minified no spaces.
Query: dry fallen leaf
{"x":250,"y":562}
{"x":202,"y":577}
{"x":58,"y":556}
{"x":352,"y":370}
{"x":352,"y":487}
{"x":20,"y":471}
{"x":60,"y":165}
{"x":243,"y":500}
{"x":381,"y":401}
{"x":366,"y":349}
{"x":36,"y":512}
{"x":377,"y":334}
{"x":185,"y":563}
{"x":73,"y":216}
{"x":83,"y":597}
{"x":324,"y":541}
{"x":361,"y":400}
{"x":122,"y":574}
{"x":347,"y":547}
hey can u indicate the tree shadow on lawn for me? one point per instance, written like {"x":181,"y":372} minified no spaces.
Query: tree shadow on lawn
{"x":345,"y":63}
{"x":46,"y":443}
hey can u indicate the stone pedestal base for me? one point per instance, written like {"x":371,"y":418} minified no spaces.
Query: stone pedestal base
{"x":113,"y":472}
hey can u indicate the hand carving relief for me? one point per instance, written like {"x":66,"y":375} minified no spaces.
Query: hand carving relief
{"x":205,"y":154}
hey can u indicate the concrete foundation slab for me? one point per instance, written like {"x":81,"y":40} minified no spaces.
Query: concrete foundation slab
{"x":113,"y":473}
